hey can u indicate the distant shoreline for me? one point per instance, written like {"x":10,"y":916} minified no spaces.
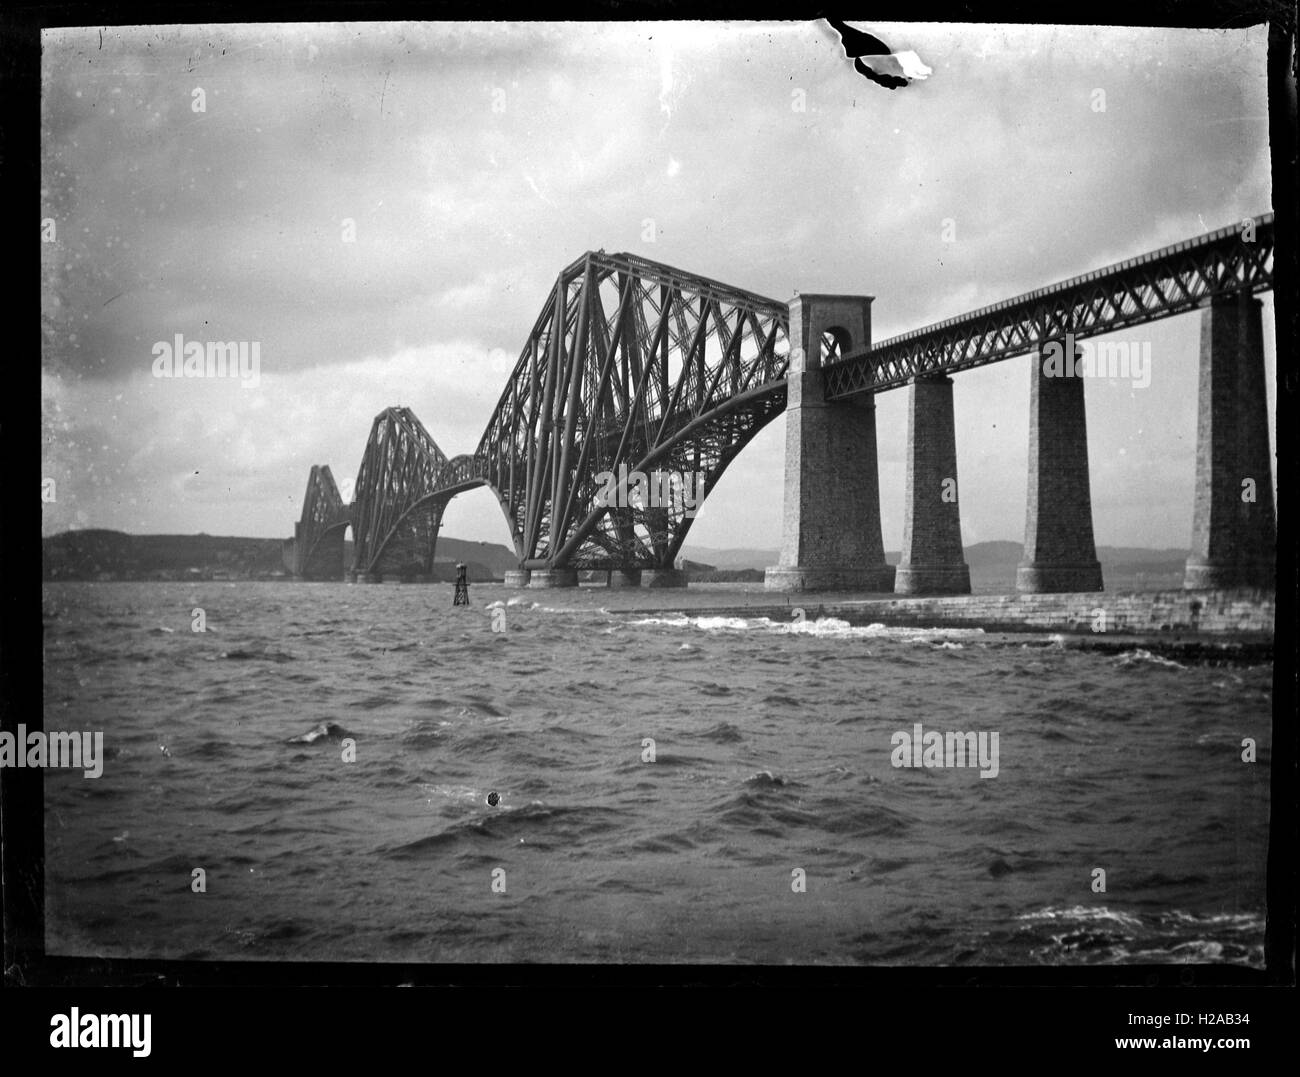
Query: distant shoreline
{"x":102,"y":555}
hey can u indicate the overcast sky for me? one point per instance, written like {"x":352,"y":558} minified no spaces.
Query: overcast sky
{"x":476,"y":162}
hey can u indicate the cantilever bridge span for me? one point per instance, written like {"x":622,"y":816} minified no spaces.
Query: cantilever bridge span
{"x":638,"y":366}
{"x":630,"y":364}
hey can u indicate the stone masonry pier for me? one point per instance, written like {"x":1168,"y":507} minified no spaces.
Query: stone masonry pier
{"x":831,"y":530}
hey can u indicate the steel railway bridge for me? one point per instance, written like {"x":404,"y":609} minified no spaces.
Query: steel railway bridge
{"x":636,"y":365}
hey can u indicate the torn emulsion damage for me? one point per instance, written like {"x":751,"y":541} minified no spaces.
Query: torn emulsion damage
{"x":873,"y":59}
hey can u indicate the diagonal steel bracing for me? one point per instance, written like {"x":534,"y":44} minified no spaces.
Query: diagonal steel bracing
{"x":625,"y":358}
{"x":1172,"y":280}
{"x":397,"y":511}
{"x":318,"y":535}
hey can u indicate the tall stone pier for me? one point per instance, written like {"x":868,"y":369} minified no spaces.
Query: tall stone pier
{"x":1060,"y":552}
{"x":1233,"y":520}
{"x":933,"y":560}
{"x":830,"y":538}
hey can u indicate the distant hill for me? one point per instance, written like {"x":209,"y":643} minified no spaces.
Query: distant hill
{"x":498,"y":558}
{"x":741,"y":557}
{"x":97,"y":554}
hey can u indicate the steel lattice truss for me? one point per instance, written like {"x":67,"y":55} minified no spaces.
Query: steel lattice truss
{"x":323,"y":514}
{"x":407,"y":535}
{"x":396,"y":515}
{"x":1166,"y":282}
{"x":633,"y":364}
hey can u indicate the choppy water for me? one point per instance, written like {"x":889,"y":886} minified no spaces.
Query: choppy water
{"x":772,"y":751}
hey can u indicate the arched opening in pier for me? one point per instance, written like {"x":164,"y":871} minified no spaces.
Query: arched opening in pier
{"x":836,"y":342}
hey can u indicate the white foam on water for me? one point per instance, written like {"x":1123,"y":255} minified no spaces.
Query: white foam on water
{"x":1084,"y":914}
{"x":1193,"y":952}
{"x":822,"y":627}
{"x":453,"y":792}
{"x":740,"y":624}
{"x":1140,"y":657}
{"x":1244,"y":920}
{"x":469,"y":793}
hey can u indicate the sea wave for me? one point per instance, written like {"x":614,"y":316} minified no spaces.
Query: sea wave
{"x":821,"y":628}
